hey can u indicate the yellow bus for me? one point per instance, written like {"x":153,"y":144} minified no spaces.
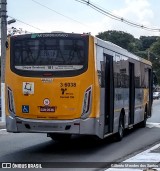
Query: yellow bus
{"x":65,"y":83}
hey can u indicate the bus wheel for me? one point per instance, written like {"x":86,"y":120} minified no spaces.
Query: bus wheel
{"x":143,"y":123}
{"x":120,"y":132}
{"x":60,"y":137}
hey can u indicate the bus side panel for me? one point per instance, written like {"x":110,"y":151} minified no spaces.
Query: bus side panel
{"x":100,"y":92}
{"x":92,"y":124}
{"x":139,"y":107}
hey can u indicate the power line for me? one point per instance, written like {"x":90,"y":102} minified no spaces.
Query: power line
{"x":27,"y":24}
{"x":115,"y":17}
{"x":59,"y":13}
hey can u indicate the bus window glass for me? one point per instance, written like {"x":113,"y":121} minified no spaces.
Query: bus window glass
{"x":100,"y":66}
{"x":117,"y":75}
{"x":146,"y":76}
{"x":144,"y":72}
{"x":142,"y":69}
{"x":137,"y":75}
{"x":49,"y":55}
{"x":124,"y":72}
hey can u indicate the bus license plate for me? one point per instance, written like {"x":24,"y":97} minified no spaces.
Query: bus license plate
{"x":47,"y":109}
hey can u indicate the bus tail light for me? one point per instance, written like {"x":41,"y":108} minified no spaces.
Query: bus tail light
{"x":87,"y":103}
{"x":11,"y":105}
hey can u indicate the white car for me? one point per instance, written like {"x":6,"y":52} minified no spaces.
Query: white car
{"x":156,"y":95}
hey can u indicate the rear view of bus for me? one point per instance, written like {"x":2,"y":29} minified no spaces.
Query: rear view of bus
{"x":49,"y":84}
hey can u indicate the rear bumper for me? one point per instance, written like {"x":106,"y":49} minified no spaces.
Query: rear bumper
{"x":76,"y":126}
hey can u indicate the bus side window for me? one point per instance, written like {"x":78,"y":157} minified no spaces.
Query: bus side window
{"x":143,"y":82}
{"x":102,"y":73}
{"x":100,"y":65}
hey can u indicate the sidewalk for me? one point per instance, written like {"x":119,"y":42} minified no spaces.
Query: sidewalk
{"x":148,"y":160}
{"x":2,"y":124}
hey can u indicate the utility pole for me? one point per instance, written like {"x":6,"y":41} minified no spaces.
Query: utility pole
{"x":3,"y":16}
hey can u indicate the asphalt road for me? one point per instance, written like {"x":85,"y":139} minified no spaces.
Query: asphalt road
{"x":39,"y":148}
{"x":155,"y":112}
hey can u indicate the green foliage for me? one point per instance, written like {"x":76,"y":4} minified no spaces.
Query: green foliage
{"x":155,"y":48}
{"x":155,"y":58}
{"x":120,"y":38}
{"x":141,"y":47}
{"x":147,"y":41}
{"x":117,"y":37}
{"x":142,"y":54}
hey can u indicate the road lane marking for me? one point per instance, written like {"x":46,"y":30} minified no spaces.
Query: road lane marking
{"x":152,"y":125}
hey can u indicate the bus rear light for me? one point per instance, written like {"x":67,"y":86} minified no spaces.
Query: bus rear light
{"x":87,"y":103}
{"x":11,"y":105}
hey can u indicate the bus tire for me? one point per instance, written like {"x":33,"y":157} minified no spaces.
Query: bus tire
{"x":143,"y":123}
{"x":60,"y":137}
{"x":120,"y":132}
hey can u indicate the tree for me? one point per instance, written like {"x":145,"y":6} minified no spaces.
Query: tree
{"x":155,"y":48}
{"x":140,"y":47}
{"x":147,"y":41}
{"x":120,"y":38}
{"x":155,"y":58}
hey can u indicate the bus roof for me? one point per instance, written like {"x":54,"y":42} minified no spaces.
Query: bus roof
{"x":115,"y":48}
{"x":106,"y":44}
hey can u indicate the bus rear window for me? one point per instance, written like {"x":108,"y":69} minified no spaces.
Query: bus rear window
{"x":59,"y":56}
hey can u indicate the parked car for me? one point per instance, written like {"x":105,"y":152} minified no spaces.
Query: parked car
{"x":156,"y":95}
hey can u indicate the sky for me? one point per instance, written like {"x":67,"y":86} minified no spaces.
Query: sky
{"x":73,"y":16}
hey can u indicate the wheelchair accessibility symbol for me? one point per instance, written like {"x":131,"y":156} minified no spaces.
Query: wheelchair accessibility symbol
{"x":25,"y":109}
